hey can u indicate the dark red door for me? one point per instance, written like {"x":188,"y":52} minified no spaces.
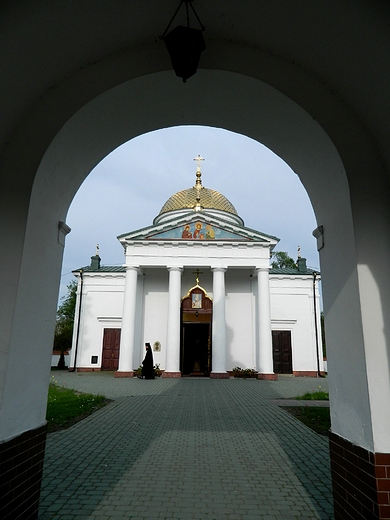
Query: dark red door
{"x":111,"y":342}
{"x":282,"y":353}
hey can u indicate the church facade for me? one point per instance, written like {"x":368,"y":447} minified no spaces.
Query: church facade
{"x":198,"y":286}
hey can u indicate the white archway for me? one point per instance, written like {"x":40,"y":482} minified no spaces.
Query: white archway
{"x":253,"y":108}
{"x":78,"y":82}
{"x":249,"y":107}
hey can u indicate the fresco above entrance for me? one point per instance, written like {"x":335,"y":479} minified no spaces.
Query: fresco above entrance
{"x":198,"y":231}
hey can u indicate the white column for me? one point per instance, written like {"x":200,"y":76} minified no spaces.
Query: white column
{"x":126,"y":352}
{"x":219,"y":324}
{"x":265,"y":356}
{"x":172,"y":363}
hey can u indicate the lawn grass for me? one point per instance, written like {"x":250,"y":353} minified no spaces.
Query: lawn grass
{"x":319,"y":395}
{"x":316,"y":418}
{"x":66,"y":407}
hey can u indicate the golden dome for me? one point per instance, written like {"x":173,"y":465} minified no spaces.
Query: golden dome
{"x":209,"y":199}
{"x":198,"y":197}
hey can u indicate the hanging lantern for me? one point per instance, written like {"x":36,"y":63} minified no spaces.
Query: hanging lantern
{"x":185,"y":45}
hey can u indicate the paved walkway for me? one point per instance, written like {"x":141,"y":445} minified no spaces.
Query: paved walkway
{"x":187,"y":449}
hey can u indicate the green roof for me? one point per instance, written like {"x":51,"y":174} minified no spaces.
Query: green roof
{"x":102,"y":269}
{"x":291,"y":271}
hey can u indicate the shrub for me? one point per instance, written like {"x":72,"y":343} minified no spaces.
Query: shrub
{"x":244,"y":372}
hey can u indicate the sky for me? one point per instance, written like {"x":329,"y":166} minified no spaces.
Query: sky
{"x":127,"y":189}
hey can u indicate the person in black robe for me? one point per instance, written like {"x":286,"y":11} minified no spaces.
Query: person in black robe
{"x":147,"y":363}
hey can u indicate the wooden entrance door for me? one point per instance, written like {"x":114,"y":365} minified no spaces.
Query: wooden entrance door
{"x":110,"y":355}
{"x":196,"y":349}
{"x":282,"y":352}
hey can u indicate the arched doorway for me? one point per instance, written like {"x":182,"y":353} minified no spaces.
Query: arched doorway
{"x":111,"y":119}
{"x":332,"y":129}
{"x":195,"y":343}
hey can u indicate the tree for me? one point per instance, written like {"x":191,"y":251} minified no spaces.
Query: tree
{"x":282,"y":259}
{"x":65,"y":321}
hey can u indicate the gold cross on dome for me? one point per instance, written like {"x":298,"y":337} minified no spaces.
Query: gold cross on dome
{"x":198,"y":160}
{"x":197,"y":272}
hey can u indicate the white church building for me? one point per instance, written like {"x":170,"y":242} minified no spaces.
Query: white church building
{"x":197,"y":284}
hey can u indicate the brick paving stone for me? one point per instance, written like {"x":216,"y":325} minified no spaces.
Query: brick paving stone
{"x":195,"y":449}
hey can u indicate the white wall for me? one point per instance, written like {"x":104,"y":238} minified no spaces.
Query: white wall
{"x":155,"y":308}
{"x":292,"y":309}
{"x":102,"y":306}
{"x":240,"y":337}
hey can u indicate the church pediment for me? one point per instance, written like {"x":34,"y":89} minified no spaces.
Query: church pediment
{"x":192,"y":227}
{"x":197,"y":230}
